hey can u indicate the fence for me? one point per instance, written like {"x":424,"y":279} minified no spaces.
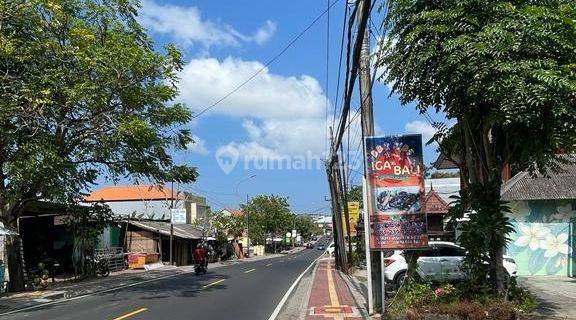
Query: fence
{"x":114,"y":256}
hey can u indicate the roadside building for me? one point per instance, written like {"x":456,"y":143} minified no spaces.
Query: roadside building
{"x":145,"y":214}
{"x":544,"y":216}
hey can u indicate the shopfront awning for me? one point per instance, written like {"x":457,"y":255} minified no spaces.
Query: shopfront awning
{"x":183,"y":231}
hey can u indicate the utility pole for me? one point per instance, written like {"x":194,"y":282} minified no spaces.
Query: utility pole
{"x":344,"y":194}
{"x":367,"y":119}
{"x":247,"y":229}
{"x":332,"y":171}
{"x":171,"y":222}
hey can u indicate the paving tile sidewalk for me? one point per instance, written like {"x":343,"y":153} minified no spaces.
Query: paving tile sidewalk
{"x":67,"y":290}
{"x":330,"y":296}
{"x":556,"y":296}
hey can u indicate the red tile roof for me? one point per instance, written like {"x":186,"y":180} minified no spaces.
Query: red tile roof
{"x":433,"y":204}
{"x":131,"y":193}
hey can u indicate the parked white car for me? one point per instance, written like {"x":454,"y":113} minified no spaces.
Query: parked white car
{"x":330,"y":250}
{"x":440,"y":262}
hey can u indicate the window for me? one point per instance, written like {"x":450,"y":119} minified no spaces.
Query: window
{"x":430,"y":252}
{"x":449,"y":251}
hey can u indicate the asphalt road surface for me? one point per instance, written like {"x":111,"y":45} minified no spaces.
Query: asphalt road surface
{"x":249,"y":291}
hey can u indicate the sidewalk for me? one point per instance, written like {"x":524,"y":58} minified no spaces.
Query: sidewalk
{"x":67,"y":290}
{"x":330,"y":296}
{"x":555,"y":294}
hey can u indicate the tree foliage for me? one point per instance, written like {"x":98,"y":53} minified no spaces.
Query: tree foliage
{"x":355,"y":194}
{"x":267,"y":216}
{"x":84,"y":96}
{"x":504,"y":70}
{"x":305,"y":226}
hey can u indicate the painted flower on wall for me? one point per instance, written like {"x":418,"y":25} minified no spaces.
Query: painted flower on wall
{"x":555,"y":244}
{"x":564,"y":213}
{"x":519,"y":210}
{"x":531,"y":235}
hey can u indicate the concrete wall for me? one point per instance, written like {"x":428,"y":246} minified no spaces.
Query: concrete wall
{"x":544,"y":239}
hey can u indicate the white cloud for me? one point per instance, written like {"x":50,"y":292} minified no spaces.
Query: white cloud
{"x":265,"y":32}
{"x":186,"y":25}
{"x":198,"y":145}
{"x":268,"y":95}
{"x":424,"y":128}
{"x":282,"y":115}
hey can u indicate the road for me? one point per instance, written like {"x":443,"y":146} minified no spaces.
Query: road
{"x":249,"y":290}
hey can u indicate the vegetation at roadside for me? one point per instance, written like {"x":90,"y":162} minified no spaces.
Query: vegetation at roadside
{"x":417,"y":300}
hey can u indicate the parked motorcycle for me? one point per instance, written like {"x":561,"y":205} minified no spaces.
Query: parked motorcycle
{"x":100,"y":266}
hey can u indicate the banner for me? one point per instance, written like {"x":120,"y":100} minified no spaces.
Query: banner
{"x":353,"y":214}
{"x":396,"y":174}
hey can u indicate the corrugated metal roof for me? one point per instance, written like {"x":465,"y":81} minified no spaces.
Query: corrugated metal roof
{"x":552,"y":186}
{"x":184,"y":231}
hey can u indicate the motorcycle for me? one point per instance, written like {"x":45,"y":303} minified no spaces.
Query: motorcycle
{"x":200,"y":267}
{"x":100,"y":266}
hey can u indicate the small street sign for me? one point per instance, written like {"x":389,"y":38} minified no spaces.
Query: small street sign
{"x":178,"y":216}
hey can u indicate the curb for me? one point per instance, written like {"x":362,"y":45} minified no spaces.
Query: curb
{"x":355,"y":288}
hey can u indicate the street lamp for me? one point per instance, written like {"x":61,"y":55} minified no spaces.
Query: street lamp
{"x":246,"y":213}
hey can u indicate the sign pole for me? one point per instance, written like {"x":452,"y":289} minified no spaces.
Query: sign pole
{"x":367,"y":246}
{"x":177,"y":216}
{"x":171,"y":242}
{"x":383,"y":277}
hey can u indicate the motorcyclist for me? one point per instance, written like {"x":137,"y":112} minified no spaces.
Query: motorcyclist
{"x":200,"y":256}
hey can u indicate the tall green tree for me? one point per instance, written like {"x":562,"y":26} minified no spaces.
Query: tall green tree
{"x":267,"y":216}
{"x":305,"y":226}
{"x":504,"y":70}
{"x":84,"y":95}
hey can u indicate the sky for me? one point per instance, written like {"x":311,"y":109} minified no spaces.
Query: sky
{"x":270,"y":136}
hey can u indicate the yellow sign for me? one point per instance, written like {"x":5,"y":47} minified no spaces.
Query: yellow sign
{"x":354,"y":214}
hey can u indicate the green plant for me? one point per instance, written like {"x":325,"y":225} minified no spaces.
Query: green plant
{"x":40,"y":280}
{"x":411,"y":294}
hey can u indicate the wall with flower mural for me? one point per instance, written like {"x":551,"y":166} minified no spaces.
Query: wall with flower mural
{"x":544,"y":237}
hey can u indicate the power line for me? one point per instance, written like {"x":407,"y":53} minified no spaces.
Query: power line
{"x":336,"y":100}
{"x":267,"y":64}
{"x":327,"y":74}
{"x":362,"y":24}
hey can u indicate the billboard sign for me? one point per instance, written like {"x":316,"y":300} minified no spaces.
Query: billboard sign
{"x":396,"y":174}
{"x":353,"y":214}
{"x":178,"y":216}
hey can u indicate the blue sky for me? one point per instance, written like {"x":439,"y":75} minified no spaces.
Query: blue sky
{"x":278,"y":119}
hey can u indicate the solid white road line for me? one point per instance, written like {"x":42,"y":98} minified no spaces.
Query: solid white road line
{"x":287,"y":294}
